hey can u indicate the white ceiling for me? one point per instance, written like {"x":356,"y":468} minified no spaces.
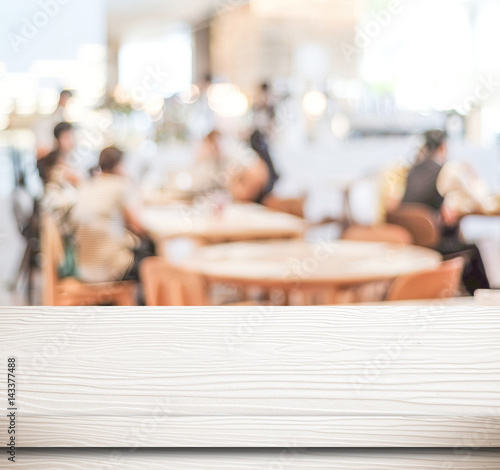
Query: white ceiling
{"x":132,"y":18}
{"x":186,"y":9}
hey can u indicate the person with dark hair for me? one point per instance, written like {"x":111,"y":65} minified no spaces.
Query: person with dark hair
{"x":54,"y":166}
{"x":60,"y":130}
{"x":64,"y":96}
{"x":264,"y":111}
{"x":435,"y":184}
{"x":259,"y":144}
{"x":421,"y":182}
{"x":59,"y":179}
{"x":110,"y":239}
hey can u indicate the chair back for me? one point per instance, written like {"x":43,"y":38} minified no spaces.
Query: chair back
{"x":441,"y":283}
{"x":388,"y":233}
{"x":167,"y":285}
{"x":419,"y":220}
{"x":52,"y":253}
{"x":293,"y":206}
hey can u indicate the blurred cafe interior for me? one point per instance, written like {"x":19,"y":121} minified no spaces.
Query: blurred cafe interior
{"x":258,"y":152}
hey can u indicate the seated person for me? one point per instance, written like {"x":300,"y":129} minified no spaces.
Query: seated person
{"x":210,"y":163}
{"x":249,"y":184}
{"x":109,"y":236}
{"x":259,"y":144}
{"x":432,"y":182}
{"x":391,"y":189}
{"x":59,"y":178}
{"x":55,"y":167}
{"x":256,"y":176}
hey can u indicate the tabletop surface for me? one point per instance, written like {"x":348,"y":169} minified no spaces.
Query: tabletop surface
{"x":246,"y":377}
{"x":292,"y":261}
{"x":234,"y":222}
{"x":286,"y":458}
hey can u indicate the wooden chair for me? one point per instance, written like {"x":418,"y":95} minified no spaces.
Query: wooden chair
{"x":389,"y":233}
{"x":70,"y":291}
{"x":30,"y":230}
{"x":419,"y":220}
{"x":293,"y":206}
{"x":441,"y":283}
{"x":167,"y":285}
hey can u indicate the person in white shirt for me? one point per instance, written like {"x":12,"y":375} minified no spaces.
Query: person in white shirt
{"x":110,"y":239}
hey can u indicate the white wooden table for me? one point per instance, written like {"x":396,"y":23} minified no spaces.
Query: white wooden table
{"x":207,"y":224}
{"x":279,"y":459}
{"x":414,"y":377}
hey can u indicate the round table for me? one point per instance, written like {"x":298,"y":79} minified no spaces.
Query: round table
{"x":292,"y":264}
{"x":209,"y":225}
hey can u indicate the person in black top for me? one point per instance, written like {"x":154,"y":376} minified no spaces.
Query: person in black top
{"x":259,"y":145}
{"x":422,"y":186}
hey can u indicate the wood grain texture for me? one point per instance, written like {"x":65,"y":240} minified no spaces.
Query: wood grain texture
{"x":283,"y":459}
{"x":330,"y":376}
{"x":256,"y":431}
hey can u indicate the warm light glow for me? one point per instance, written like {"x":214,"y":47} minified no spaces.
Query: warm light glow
{"x":314,"y":104}
{"x":340,"y":126}
{"x":227,"y":100}
{"x":157,"y":116}
{"x":154,"y":105}
{"x":191,"y":95}
{"x":120,"y":95}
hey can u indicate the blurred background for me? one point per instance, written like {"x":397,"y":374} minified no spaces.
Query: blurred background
{"x":340,"y":93}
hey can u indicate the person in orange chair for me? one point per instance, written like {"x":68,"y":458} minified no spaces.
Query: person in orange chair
{"x":437,"y":184}
{"x":110,"y":239}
